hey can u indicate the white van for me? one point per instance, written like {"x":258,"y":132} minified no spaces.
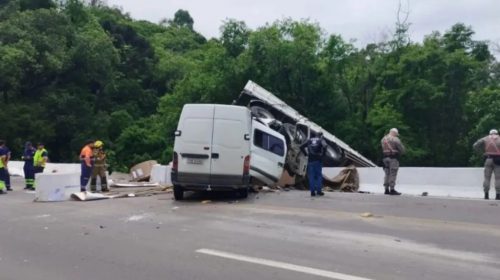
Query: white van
{"x":222,"y":148}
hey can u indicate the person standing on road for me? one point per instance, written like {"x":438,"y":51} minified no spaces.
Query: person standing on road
{"x":315,"y":149}
{"x":7,"y":153}
{"x":3,"y":167}
{"x":490,"y":146}
{"x":99,"y":168}
{"x":86,"y":161}
{"x":392,"y":149}
{"x":40,"y":158}
{"x":29,"y":168}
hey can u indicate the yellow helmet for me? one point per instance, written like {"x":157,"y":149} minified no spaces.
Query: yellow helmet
{"x":98,"y":144}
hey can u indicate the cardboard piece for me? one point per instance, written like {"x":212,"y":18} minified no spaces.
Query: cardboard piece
{"x":142,"y":171}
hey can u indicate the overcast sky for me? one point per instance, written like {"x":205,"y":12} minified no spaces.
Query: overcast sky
{"x":363,"y":20}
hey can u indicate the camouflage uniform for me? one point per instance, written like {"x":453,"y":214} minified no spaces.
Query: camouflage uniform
{"x":490,"y":145}
{"x":99,"y":169}
{"x":392,"y":148}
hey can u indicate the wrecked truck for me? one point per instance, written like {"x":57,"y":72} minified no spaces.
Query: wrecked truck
{"x":251,"y":142}
{"x":297,"y":129}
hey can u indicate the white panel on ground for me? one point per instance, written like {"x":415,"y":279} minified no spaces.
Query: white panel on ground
{"x":447,"y":182}
{"x":56,"y":187}
{"x":161,"y":174}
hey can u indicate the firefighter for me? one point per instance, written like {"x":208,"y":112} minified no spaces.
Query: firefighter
{"x":99,"y":168}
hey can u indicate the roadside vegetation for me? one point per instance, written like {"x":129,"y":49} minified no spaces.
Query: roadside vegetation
{"x":73,"y":71}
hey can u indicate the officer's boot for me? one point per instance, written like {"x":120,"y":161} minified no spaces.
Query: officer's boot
{"x":93,"y":184}
{"x":486,"y":195}
{"x":104,"y":184}
{"x":394,"y":192}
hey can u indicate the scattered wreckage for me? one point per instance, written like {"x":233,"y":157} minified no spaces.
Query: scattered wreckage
{"x":230,"y":147}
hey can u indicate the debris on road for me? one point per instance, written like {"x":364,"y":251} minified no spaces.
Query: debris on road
{"x":206,"y":201}
{"x":367,"y":215}
{"x":142,"y":171}
{"x":134,"y":185}
{"x":425,"y":194}
{"x":119,"y":193}
{"x":346,"y":181}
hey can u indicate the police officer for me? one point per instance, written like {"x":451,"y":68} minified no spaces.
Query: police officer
{"x":40,"y":158}
{"x":29,"y":168}
{"x":99,"y":168}
{"x":3,"y":167}
{"x":86,"y":161}
{"x":6,"y":175}
{"x":490,"y":145}
{"x":315,"y":149}
{"x":392,"y":149}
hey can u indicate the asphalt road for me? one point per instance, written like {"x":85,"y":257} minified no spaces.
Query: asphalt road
{"x":285,"y":235}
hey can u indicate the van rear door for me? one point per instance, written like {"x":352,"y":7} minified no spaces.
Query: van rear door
{"x":230,"y":144}
{"x":268,"y":153}
{"x":193,"y":143}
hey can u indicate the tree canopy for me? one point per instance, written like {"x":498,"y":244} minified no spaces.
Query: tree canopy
{"x":75,"y":70}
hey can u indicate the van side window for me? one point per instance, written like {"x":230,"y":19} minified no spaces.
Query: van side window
{"x":268,"y":142}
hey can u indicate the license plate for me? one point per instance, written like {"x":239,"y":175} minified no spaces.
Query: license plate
{"x":194,"y":161}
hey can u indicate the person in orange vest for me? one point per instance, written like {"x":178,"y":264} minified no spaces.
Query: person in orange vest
{"x":87,"y":162}
{"x":392,"y":149}
{"x":490,"y":146}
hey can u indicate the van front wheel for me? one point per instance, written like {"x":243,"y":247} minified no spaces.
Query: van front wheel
{"x":178,"y":193}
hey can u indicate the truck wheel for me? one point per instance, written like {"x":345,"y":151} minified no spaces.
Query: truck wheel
{"x":289,"y":132}
{"x":333,"y":155}
{"x":178,"y":193}
{"x":261,"y":112}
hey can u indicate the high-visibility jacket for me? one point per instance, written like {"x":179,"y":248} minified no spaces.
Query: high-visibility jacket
{"x":3,"y":157}
{"x":39,"y":159}
{"x":87,"y":155}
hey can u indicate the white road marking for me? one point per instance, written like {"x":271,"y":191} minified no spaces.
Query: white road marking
{"x":282,"y":265}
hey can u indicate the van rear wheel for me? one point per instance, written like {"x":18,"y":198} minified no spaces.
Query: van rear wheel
{"x":178,"y":193}
{"x":243,"y":192}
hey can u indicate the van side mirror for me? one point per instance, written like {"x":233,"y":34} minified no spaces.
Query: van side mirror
{"x":177,"y":133}
{"x":246,"y":137}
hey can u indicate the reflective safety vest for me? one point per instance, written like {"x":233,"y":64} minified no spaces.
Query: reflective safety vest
{"x":1,"y":159}
{"x":491,"y":146}
{"x":38,"y":158}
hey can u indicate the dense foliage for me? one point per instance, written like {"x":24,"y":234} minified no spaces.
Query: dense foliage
{"x":74,"y":71}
